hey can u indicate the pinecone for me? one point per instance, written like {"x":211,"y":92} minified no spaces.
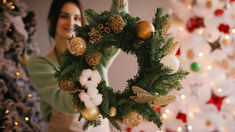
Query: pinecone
{"x":93,"y":59}
{"x":67,"y":84}
{"x":116,"y":23}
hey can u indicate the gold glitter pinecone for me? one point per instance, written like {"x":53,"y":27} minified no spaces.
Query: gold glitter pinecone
{"x":116,"y":23}
{"x":93,"y":59}
{"x":77,"y":46}
{"x":67,"y":84}
{"x":133,"y":119}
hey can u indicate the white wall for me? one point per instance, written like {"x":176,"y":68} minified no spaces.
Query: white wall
{"x":124,"y":66}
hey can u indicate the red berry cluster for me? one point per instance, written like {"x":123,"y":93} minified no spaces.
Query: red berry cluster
{"x":194,"y":23}
{"x":224,"y":28}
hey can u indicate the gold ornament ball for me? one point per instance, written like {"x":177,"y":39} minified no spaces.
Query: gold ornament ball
{"x":93,"y":59}
{"x":113,"y":111}
{"x":77,"y":46}
{"x":133,"y":119}
{"x":116,"y":23}
{"x":145,"y":29}
{"x":90,"y":114}
{"x":67,"y":84}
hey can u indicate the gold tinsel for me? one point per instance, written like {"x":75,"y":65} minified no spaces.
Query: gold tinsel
{"x":173,"y":49}
{"x":67,"y":84}
{"x":132,"y":119}
{"x":77,"y":46}
{"x":116,"y":23}
{"x":95,"y":35}
{"x":93,"y":59}
{"x":166,"y":29}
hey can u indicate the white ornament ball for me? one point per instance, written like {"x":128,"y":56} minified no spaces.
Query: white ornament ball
{"x":89,"y":104}
{"x":171,"y":61}
{"x":91,"y":84}
{"x":87,"y":72}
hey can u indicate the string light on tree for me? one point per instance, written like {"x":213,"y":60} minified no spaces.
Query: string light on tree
{"x":7,"y":111}
{"x":179,"y":129}
{"x":17,"y":73}
{"x":16,"y":123}
{"x":209,"y":67}
{"x":227,"y":37}
{"x":200,"y":54}
{"x":233,"y":30}
{"x":167,"y":111}
{"x":182,"y":96}
{"x":26,"y":118}
{"x":220,"y":90}
{"x":30,"y":95}
{"x":164,"y":116}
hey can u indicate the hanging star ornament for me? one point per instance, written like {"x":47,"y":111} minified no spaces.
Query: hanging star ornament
{"x":215,"y":45}
{"x":216,"y":100}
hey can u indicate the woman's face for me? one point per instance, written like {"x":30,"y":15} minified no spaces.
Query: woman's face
{"x":70,"y":14}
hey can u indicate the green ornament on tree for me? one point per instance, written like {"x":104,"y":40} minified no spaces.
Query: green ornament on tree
{"x":195,"y":66}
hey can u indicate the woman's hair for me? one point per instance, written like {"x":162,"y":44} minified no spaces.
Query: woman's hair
{"x":54,"y":13}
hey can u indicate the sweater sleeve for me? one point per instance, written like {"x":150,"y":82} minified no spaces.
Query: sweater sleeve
{"x":41,"y":72}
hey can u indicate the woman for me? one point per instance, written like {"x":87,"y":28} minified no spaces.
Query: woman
{"x":56,"y":105}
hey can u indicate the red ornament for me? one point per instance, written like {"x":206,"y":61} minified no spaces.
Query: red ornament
{"x":128,"y":129}
{"x":216,"y":100}
{"x":178,"y":52}
{"x":232,"y":0}
{"x":141,"y":130}
{"x":158,"y":108}
{"x":194,"y":23}
{"x":224,"y":28}
{"x":219,"y":12}
{"x":182,"y":116}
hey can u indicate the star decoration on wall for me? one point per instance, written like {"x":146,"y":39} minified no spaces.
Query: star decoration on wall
{"x":216,"y":100}
{"x":215,"y":45}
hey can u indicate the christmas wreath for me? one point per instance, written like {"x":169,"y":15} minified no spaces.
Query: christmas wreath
{"x":158,"y":68}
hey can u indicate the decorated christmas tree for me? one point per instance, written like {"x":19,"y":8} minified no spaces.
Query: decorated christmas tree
{"x":19,"y":103}
{"x":205,"y":30}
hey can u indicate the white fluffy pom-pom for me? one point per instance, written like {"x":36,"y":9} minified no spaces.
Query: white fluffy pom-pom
{"x":91,"y":84}
{"x":97,"y":99}
{"x":84,"y":96}
{"x":87,"y":73}
{"x":89,"y":104}
{"x":83,"y":80}
{"x":96,"y":76}
{"x":92,"y":92}
{"x":171,"y":61}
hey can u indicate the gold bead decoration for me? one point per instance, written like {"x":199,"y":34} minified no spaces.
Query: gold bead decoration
{"x":93,"y":59}
{"x":113,"y":111}
{"x":100,"y":27}
{"x":77,"y":46}
{"x":144,"y":30}
{"x":90,"y":114}
{"x":133,"y":119}
{"x":107,"y":30}
{"x":116,"y":23}
{"x":67,"y":84}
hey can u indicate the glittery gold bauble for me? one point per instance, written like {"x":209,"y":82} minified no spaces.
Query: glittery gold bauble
{"x":24,"y":60}
{"x":116,"y":23}
{"x":67,"y":84}
{"x":77,"y":46}
{"x":75,"y":105}
{"x":93,"y":59}
{"x":133,"y":119}
{"x":145,"y":29}
{"x":113,"y":111}
{"x":190,"y":54}
{"x":90,"y":114}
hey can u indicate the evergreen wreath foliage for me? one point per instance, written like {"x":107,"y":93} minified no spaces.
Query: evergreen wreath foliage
{"x":152,"y":75}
